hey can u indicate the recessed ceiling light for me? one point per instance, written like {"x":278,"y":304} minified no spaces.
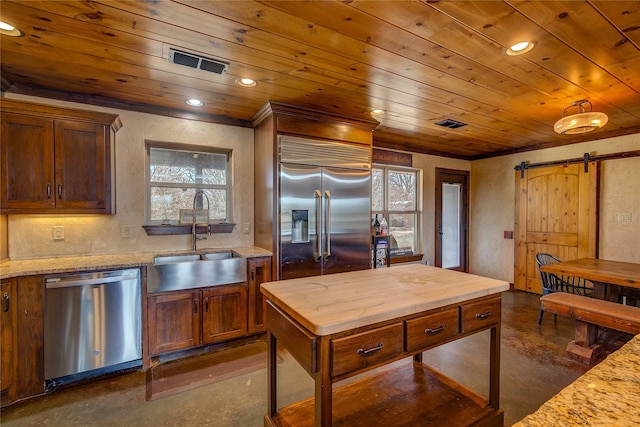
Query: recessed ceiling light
{"x":520,"y":48}
{"x":9,"y":30}
{"x":377,"y":112}
{"x":246,"y":82}
{"x":194,"y":102}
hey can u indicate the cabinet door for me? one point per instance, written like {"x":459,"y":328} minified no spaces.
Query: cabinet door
{"x":80,"y":165}
{"x":224,"y":312}
{"x":174,"y":321}
{"x":259,"y":272}
{"x":7,"y":327}
{"x":27,"y":152}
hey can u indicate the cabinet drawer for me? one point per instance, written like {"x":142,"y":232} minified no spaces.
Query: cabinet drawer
{"x":430,"y":330}
{"x":366,"y":349}
{"x":481,"y":314}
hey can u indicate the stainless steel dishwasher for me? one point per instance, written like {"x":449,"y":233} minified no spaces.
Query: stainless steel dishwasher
{"x":93,"y":321}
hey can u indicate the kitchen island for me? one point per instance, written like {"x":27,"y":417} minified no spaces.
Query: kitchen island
{"x":341,"y":325}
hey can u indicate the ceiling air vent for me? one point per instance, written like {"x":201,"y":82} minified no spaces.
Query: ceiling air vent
{"x":195,"y":61}
{"x":451,"y":124}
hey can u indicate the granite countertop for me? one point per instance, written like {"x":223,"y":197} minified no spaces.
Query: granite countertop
{"x":336,"y":302}
{"x":29,"y":267}
{"x":606,"y":395}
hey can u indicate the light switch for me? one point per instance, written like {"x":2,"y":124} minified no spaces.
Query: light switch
{"x":58,"y":232}
{"x":624,"y":216}
{"x":246,"y":228}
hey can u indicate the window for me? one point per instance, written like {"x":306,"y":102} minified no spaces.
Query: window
{"x":394,"y":194}
{"x":176,"y":174}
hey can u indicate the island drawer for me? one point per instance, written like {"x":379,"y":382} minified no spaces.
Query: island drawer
{"x":366,"y":349}
{"x":431,"y":330}
{"x":480,"y":314}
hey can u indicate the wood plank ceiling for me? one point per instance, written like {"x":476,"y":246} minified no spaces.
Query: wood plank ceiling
{"x":421,"y":61}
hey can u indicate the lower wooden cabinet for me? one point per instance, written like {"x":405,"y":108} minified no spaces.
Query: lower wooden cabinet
{"x":224,"y":314}
{"x":259,"y":271}
{"x":8,"y":347}
{"x":182,"y":319}
{"x":174,"y":321}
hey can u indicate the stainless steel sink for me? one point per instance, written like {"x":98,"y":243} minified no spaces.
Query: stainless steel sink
{"x":217,"y":255}
{"x":177,"y":272}
{"x":166,"y":259}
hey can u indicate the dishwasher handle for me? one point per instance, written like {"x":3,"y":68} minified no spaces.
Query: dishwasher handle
{"x":59,"y":282}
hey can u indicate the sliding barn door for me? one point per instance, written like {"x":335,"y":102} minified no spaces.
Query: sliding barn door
{"x":556,"y":213}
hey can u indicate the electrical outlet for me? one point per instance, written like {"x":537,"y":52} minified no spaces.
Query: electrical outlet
{"x":58,"y":232}
{"x":126,"y":231}
{"x":246,"y":228}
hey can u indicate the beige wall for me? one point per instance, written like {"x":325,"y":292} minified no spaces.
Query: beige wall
{"x":492,"y":193}
{"x":493,"y":204}
{"x":30,"y":236}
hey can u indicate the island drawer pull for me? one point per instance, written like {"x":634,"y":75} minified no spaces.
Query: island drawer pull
{"x":435,"y":330}
{"x":483,"y":315}
{"x":371,"y":350}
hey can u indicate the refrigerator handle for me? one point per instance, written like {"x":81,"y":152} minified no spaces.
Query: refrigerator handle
{"x":318,"y":253}
{"x":327,"y":222}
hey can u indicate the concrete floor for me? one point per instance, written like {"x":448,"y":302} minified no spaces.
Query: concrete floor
{"x":534,"y":367}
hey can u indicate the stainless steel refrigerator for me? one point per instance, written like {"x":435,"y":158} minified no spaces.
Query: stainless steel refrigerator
{"x":325,"y":208}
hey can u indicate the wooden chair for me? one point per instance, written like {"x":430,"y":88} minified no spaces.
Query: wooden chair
{"x":554,"y":283}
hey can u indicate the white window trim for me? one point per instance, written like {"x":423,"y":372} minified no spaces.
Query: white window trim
{"x":417,"y":212}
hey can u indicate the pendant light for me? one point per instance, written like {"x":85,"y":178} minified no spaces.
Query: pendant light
{"x":581,"y":122}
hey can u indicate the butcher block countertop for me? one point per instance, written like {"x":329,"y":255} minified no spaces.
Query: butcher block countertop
{"x":58,"y":265}
{"x":337,"y":302}
{"x":606,"y":395}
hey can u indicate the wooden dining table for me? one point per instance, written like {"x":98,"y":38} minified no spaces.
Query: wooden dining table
{"x":607,"y":276}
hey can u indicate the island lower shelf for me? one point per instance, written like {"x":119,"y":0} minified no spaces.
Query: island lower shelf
{"x":400,"y":396}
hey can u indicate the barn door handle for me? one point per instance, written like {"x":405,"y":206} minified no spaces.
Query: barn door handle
{"x":6,"y":302}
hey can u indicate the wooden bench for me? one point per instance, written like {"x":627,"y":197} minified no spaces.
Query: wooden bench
{"x":589,"y":314}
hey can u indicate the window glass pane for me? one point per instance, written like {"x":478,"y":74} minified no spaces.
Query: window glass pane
{"x":166,"y":203}
{"x":403,"y":229}
{"x":377,"y":189}
{"x":185,"y":167}
{"x":402,"y":191}
{"x":176,"y":175}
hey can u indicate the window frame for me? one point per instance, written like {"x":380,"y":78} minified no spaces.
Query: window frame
{"x":228,"y":187}
{"x":417,"y":212}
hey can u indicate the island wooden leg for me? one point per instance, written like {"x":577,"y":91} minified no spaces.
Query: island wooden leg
{"x":272,"y":364}
{"x":494,"y":368}
{"x":323,"y":391}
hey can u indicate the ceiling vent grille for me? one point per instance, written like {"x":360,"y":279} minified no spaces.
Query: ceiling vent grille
{"x":195,"y":61}
{"x":451,"y":124}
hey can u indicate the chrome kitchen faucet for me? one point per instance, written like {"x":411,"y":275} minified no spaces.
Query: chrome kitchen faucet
{"x":194,"y":236}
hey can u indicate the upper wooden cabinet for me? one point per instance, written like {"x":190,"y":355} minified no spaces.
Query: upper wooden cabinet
{"x":56,"y":160}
